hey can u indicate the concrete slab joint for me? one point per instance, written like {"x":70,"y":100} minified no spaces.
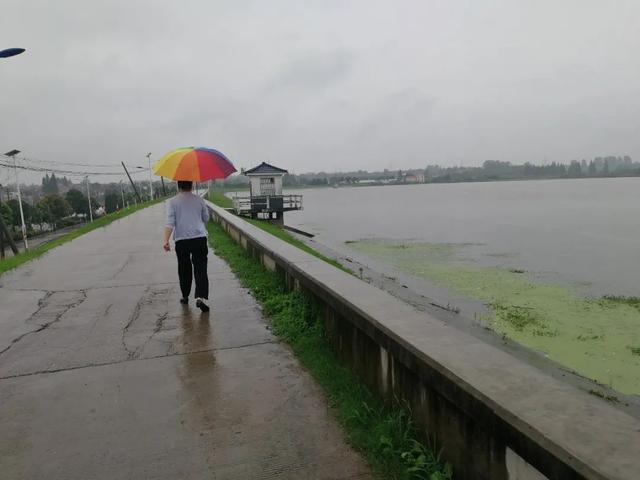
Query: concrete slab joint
{"x":268,"y":262}
{"x":384,"y":370}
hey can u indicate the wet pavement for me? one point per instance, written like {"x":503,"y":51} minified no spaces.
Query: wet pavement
{"x":104,"y":375}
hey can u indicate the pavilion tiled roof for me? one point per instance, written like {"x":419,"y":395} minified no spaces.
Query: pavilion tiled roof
{"x":264,"y":168}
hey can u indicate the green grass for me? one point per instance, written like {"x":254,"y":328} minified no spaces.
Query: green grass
{"x":219,"y":198}
{"x":13,"y":262}
{"x":384,"y":435}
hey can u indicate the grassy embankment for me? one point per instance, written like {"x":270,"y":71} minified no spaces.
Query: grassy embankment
{"x":597,"y":337}
{"x":385,"y":435}
{"x":220,"y":199}
{"x":13,"y":262}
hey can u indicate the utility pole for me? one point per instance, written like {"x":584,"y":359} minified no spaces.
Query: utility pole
{"x":12,"y":154}
{"x":132,"y":184}
{"x":89,"y":198}
{"x":150,"y":178}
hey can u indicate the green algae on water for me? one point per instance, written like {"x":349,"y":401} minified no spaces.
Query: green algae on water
{"x":597,"y":337}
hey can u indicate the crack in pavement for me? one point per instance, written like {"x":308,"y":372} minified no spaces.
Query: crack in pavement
{"x":52,"y":312}
{"x":121,"y":269}
{"x":158,"y":326}
{"x":41,"y":304}
{"x":139,"y":359}
{"x":149,"y":298}
{"x":134,"y":316}
{"x":160,"y":322}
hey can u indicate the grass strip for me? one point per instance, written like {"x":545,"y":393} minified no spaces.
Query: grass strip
{"x":221,"y":200}
{"x":385,"y":435}
{"x":13,"y":262}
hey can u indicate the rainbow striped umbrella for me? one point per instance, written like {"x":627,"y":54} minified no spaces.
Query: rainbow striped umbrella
{"x":197,"y":164}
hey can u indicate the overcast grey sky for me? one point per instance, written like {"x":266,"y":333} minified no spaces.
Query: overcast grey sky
{"x":322,"y":85}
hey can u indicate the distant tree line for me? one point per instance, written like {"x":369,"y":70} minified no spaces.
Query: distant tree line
{"x":57,"y":202}
{"x":51,"y":184}
{"x":491,"y":170}
{"x":500,"y":170}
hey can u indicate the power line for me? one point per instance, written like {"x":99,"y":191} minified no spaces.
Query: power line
{"x":67,"y":172}
{"x":56,"y":162}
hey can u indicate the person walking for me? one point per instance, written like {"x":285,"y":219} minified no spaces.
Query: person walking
{"x":187,"y":215}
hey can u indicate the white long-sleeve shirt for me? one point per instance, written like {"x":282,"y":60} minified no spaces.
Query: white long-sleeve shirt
{"x":187,"y":214}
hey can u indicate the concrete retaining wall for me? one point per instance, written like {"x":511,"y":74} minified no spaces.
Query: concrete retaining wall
{"x":495,"y":416}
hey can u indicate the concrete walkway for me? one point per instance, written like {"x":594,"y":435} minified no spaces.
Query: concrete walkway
{"x":103,"y":375}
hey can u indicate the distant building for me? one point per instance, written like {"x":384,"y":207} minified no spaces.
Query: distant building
{"x":414,"y":178}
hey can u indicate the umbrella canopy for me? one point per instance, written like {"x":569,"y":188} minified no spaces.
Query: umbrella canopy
{"x":197,"y":164}
{"x":10,"y":52}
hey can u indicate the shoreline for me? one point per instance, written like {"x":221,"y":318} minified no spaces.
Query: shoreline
{"x":423,"y":296}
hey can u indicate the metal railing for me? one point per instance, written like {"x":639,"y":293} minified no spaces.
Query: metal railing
{"x":267,"y":203}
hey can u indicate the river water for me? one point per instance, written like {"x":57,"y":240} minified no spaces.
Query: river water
{"x":583,"y":232}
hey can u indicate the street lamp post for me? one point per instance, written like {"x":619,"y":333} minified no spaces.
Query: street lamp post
{"x":150,"y":178}
{"x":6,"y":53}
{"x":12,"y":154}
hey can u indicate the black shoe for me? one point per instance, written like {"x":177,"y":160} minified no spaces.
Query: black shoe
{"x":201,"y":305}
{"x":184,"y":301}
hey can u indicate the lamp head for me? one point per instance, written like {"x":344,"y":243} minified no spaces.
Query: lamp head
{"x":11,"y":52}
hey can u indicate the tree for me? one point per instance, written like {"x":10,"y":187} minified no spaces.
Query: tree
{"x":605,"y":169}
{"x":15,"y":219}
{"x":592,"y":168}
{"x":111,"y":200}
{"x":37,"y":216}
{"x":55,"y":206}
{"x":78,"y":202}
{"x":496,"y":167}
{"x":50,"y":184}
{"x":574,"y":169}
{"x":7,"y":213}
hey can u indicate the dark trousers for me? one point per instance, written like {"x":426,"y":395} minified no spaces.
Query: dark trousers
{"x":193,"y":252}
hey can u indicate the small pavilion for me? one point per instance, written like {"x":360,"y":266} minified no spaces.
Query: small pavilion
{"x":266,"y":200}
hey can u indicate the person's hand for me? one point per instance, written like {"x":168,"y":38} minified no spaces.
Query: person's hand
{"x":167,"y":247}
